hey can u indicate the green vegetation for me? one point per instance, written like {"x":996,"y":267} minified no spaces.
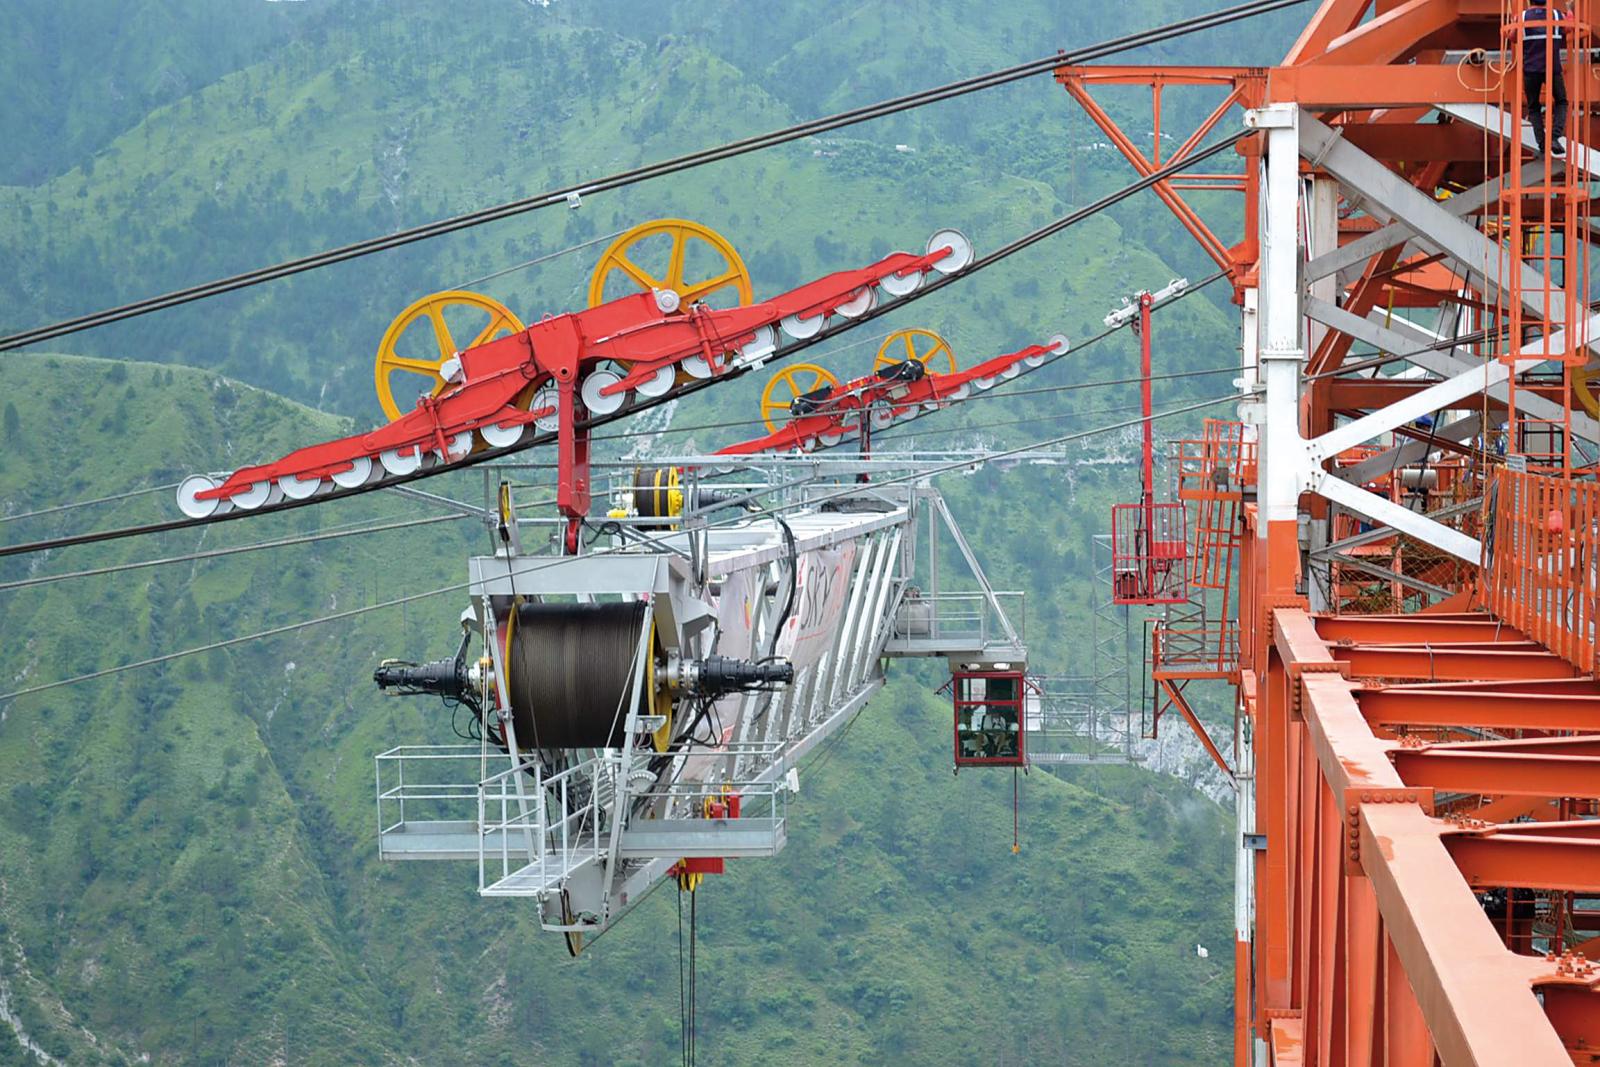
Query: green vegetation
{"x":187,"y":868}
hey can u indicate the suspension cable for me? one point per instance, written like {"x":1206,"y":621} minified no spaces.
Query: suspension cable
{"x":566,"y":194}
{"x":89,"y":503}
{"x":546,"y":258}
{"x":233,"y":550}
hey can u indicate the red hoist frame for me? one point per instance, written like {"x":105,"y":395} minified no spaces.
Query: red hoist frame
{"x":1149,"y":545}
{"x":894,"y":393}
{"x":560,"y":374}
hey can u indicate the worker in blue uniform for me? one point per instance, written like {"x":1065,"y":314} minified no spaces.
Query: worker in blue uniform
{"x":1540,"y":18}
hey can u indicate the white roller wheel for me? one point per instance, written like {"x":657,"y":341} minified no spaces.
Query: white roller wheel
{"x":801,"y":329}
{"x":960,"y":256}
{"x":696,"y":367}
{"x":187,"y":502}
{"x":258,"y":494}
{"x":496,"y":436}
{"x":400,"y":462}
{"x":457,"y":447}
{"x":983,"y":384}
{"x":759,"y":348}
{"x":882,"y":418}
{"x":600,"y":403}
{"x":298,"y":488}
{"x":909,"y":412}
{"x":901,"y":284}
{"x":1011,"y":371}
{"x":960,"y":392}
{"x":831,"y":438}
{"x":359,"y":474}
{"x":547,"y":396}
{"x":863,"y":301}
{"x":659,"y":383}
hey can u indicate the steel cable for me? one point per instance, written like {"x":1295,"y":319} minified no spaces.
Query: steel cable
{"x":232,"y":550}
{"x":618,"y":180}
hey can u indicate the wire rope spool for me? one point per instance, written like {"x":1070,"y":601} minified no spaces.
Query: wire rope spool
{"x":790,"y":384}
{"x":699,"y":264}
{"x":421,"y":341}
{"x":571,"y":673}
{"x":657,"y":494}
{"x":917,"y":345}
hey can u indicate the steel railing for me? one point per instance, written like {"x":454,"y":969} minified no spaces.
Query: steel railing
{"x":1541,"y":571}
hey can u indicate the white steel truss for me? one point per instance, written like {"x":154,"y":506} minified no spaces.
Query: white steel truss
{"x":824,"y":575}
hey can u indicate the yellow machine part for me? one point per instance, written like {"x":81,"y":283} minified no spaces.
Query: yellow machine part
{"x":792,"y":381}
{"x":660,"y":697}
{"x":733,"y":277}
{"x":924,"y":346}
{"x":431,"y":310}
{"x":1583,"y":388}
{"x":661,"y":495}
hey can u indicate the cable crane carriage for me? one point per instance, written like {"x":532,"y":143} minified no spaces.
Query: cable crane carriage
{"x":639,"y":707}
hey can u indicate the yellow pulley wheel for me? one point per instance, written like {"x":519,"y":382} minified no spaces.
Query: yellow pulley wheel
{"x":924,"y":346}
{"x":698,"y":262}
{"x":1583,"y":388}
{"x":477,"y":320}
{"x":786,"y":385}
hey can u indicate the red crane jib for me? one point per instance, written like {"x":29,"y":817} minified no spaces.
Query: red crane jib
{"x":841,"y":413}
{"x":499,"y":378}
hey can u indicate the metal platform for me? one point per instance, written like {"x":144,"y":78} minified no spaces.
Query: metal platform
{"x":1107,"y":759}
{"x":965,"y":625}
{"x":448,"y":839}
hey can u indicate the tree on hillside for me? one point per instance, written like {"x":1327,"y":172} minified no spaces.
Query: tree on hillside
{"x":13,"y":422}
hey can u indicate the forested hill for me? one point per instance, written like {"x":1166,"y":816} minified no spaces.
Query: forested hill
{"x":187,"y":870}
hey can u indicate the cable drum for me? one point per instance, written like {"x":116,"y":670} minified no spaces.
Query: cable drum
{"x":571,"y":672}
{"x":657,"y":494}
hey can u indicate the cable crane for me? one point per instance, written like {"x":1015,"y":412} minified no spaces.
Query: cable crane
{"x":1416,"y":864}
{"x":640,"y":701}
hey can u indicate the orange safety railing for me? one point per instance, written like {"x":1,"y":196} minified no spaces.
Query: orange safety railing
{"x":1540,"y":572}
{"x":1218,"y":464}
{"x":1213,"y":472}
{"x":1195,"y":648}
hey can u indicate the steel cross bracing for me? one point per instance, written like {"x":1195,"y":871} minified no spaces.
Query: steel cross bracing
{"x":1418,"y":862}
{"x":588,"y":835}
